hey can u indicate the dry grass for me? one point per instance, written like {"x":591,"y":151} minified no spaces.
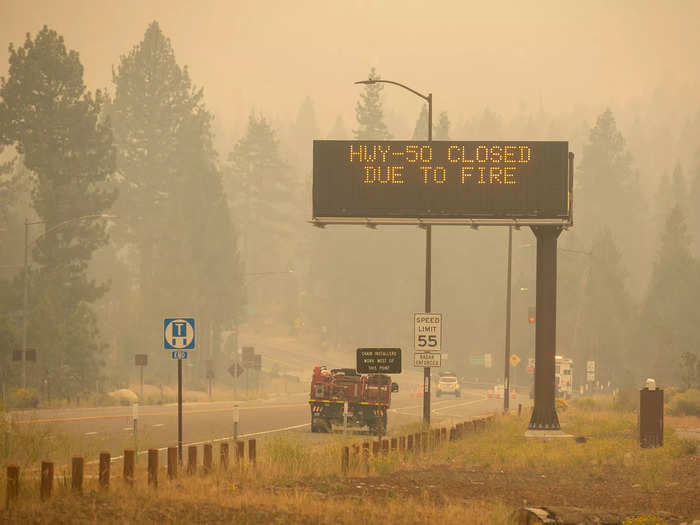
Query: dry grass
{"x":295,"y":482}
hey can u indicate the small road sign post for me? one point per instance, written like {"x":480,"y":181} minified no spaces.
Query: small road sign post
{"x":427,"y":331}
{"x":141,"y":360}
{"x":179,"y":336}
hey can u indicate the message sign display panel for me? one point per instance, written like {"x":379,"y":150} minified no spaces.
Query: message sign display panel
{"x":379,"y":360}
{"x":440,"y":180}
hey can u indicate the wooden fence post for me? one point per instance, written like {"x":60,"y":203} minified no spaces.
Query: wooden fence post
{"x":207,"y":460}
{"x":443,"y":434}
{"x":223,"y":456}
{"x":416,"y":442}
{"x":172,"y":462}
{"x":424,"y":441}
{"x":409,"y":443}
{"x":251,"y":452}
{"x":365,"y":455}
{"x":452,"y":433}
{"x":46,"y":480}
{"x":385,"y":446}
{"x":345,"y":461}
{"x":153,"y":467}
{"x":394,"y":444}
{"x":402,"y":443}
{"x":12,"y":485}
{"x":76,"y":479}
{"x":129,"y":467}
{"x":375,"y":448}
{"x":105,"y":464}
{"x":192,"y":460}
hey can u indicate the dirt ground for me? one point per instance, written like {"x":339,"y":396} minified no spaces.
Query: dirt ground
{"x":607,"y":489}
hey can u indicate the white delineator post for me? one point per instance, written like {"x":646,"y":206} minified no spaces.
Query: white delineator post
{"x":236,"y":419}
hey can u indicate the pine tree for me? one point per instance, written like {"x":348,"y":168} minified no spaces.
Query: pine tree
{"x":670,"y":322}
{"x":173,"y":205}
{"x":442,"y":131}
{"x":609,"y":195}
{"x":369,"y":112}
{"x":607,"y":308}
{"x":420,"y":132}
{"x":338,"y":131}
{"x":57,"y":126}
{"x":266,"y":198}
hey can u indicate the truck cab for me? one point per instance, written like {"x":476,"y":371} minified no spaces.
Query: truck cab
{"x":448,"y":384}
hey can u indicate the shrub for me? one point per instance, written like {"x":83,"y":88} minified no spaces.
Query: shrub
{"x":685,"y":404}
{"x":24,"y":398}
{"x":626,"y":400}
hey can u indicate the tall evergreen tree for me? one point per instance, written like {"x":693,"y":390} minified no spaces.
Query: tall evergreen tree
{"x":607,"y":309}
{"x":670,"y":322}
{"x":609,"y":195}
{"x":369,"y":112}
{"x":266,"y":198}
{"x":57,"y":126}
{"x":420,"y":132}
{"x":338,"y":131}
{"x":442,"y":130}
{"x":173,"y":202}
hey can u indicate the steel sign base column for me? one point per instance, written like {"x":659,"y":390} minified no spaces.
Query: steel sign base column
{"x":544,"y":415}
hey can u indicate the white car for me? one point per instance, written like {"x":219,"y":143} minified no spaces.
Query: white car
{"x":448,"y":384}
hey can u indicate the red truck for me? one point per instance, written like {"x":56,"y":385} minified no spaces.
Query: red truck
{"x":368,"y":397}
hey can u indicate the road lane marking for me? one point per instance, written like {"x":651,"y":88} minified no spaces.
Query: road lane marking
{"x":90,"y":433}
{"x":159,"y":425}
{"x":155,"y":414}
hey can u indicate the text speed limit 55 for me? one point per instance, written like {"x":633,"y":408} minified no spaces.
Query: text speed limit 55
{"x":427,"y":328}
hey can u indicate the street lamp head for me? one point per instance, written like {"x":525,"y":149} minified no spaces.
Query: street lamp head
{"x":370,"y":81}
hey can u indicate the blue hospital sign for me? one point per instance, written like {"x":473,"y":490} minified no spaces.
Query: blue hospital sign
{"x":178,"y":333}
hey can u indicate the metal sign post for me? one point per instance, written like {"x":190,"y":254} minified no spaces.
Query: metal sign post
{"x":178,"y":336}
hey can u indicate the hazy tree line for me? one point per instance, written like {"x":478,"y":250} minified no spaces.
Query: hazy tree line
{"x":138,"y":217}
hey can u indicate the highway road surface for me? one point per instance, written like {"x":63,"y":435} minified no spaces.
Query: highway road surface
{"x":87,"y":431}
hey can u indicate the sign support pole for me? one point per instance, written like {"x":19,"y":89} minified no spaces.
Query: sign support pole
{"x":506,"y":381}
{"x":544,"y":414}
{"x":428,"y":250}
{"x":179,"y":410}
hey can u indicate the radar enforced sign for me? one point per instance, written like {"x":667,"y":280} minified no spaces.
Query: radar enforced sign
{"x":379,"y":360}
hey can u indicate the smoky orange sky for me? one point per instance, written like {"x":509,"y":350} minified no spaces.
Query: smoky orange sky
{"x":506,"y":55}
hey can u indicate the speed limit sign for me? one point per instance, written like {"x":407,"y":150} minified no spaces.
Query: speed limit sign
{"x":428,"y":332}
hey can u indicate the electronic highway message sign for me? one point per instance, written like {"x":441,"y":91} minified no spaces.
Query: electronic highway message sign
{"x":441,"y":181}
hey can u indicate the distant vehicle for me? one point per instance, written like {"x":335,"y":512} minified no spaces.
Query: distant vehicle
{"x":368,"y":397}
{"x":448,"y":384}
{"x":563,"y":376}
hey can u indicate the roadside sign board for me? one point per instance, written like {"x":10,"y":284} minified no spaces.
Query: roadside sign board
{"x":531,"y":364}
{"x":440,"y":180}
{"x":141,"y":359}
{"x":179,"y":354}
{"x":514,"y":360}
{"x":427,"y":359}
{"x":428,"y":332}
{"x":379,"y":360}
{"x":178,"y":333}
{"x":476,"y":360}
{"x":235,"y":370}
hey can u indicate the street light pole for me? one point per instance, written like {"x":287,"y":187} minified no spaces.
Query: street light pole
{"x":25,"y":303}
{"x":428,"y":241}
{"x":506,"y":381}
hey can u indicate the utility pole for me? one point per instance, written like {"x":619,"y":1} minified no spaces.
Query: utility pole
{"x":506,"y":381}
{"x":25,"y":303}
